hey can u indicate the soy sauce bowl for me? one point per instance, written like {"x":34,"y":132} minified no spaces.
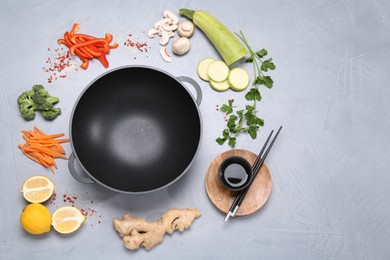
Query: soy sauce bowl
{"x":235,"y":173}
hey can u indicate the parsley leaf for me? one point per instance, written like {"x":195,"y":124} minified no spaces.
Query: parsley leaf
{"x":228,"y":108}
{"x":267,"y":64}
{"x":249,"y":60}
{"x":232,"y":141}
{"x":253,"y":95}
{"x":220,"y":140}
{"x":268,"y":82}
{"x":261,"y":53}
{"x":253,"y":131}
{"x":246,"y":120}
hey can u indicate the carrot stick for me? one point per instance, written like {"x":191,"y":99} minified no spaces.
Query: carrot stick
{"x":46,"y":151}
{"x":51,"y":168}
{"x":49,"y":136}
{"x":43,"y":148}
{"x":47,"y":141}
{"x":30,"y":156}
{"x":39,"y":131}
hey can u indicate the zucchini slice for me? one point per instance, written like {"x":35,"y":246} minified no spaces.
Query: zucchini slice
{"x":202,"y":68}
{"x":219,"y":86}
{"x":238,"y":79}
{"x":218,"y":71}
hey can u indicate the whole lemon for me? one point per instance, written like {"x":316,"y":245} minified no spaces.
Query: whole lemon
{"x":36,"y":219}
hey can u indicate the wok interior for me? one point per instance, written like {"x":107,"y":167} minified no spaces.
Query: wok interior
{"x":135,"y":129}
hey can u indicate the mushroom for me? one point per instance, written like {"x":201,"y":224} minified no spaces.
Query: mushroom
{"x":186,"y":28}
{"x":172,"y":16}
{"x":181,"y":45}
{"x":160,"y":23}
{"x":165,"y":55}
{"x":152,"y":32}
{"x":165,"y":36}
{"x":168,"y":27}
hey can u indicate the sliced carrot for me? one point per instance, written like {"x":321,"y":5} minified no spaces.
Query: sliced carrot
{"x":39,"y":131}
{"x":30,"y":156}
{"x":48,"y":136}
{"x":48,"y":141}
{"x":43,"y":148}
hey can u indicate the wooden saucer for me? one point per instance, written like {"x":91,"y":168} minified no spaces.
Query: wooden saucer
{"x":222,"y":198}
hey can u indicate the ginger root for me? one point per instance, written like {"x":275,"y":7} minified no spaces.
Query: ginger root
{"x":137,"y":232}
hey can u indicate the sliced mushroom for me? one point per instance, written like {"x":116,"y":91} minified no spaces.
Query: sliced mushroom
{"x":171,"y":27}
{"x":165,"y":36}
{"x":152,"y":32}
{"x":172,"y":16}
{"x":160,"y":23}
{"x":181,"y":46}
{"x":186,"y":28}
{"x":165,"y":54}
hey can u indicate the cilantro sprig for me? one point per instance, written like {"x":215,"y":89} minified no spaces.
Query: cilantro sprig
{"x":246,"y":120}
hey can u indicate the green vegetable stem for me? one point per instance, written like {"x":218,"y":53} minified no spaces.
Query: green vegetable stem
{"x":246,"y":120}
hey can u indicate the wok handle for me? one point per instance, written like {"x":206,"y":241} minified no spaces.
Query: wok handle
{"x":76,"y":171}
{"x":196,"y":86}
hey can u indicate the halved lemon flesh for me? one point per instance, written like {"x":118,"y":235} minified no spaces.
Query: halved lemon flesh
{"x":37,"y":189}
{"x":66,"y":220}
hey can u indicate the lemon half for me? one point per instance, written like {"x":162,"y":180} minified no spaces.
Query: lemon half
{"x":66,"y":220}
{"x":37,"y":189}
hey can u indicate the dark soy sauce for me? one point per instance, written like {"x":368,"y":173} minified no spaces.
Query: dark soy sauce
{"x":235,"y":174}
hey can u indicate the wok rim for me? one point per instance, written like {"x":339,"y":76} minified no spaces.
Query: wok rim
{"x":91,"y":176}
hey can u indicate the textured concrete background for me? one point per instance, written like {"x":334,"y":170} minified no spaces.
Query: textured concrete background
{"x":330,"y":166}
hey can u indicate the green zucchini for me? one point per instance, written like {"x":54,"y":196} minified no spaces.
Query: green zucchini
{"x":227,"y":45}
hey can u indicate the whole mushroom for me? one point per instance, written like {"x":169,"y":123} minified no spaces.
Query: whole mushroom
{"x":181,"y":46}
{"x":186,"y":28}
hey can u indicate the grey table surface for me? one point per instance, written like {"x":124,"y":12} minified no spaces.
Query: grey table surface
{"x":330,"y":166}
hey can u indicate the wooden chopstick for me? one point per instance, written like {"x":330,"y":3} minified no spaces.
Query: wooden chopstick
{"x":256,"y":168}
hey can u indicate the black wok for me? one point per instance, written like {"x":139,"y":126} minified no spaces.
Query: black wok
{"x":135,"y":129}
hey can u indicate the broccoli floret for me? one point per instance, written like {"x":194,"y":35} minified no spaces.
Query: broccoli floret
{"x":40,"y":90}
{"x":44,"y":103}
{"x":51,"y":114}
{"x":28,"y":114}
{"x":27,"y":106}
{"x":37,"y":99}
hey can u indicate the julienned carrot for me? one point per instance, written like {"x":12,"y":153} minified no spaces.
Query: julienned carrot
{"x":48,"y":141}
{"x":43,"y":148}
{"x":48,"y":136}
{"x":87,"y":47}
